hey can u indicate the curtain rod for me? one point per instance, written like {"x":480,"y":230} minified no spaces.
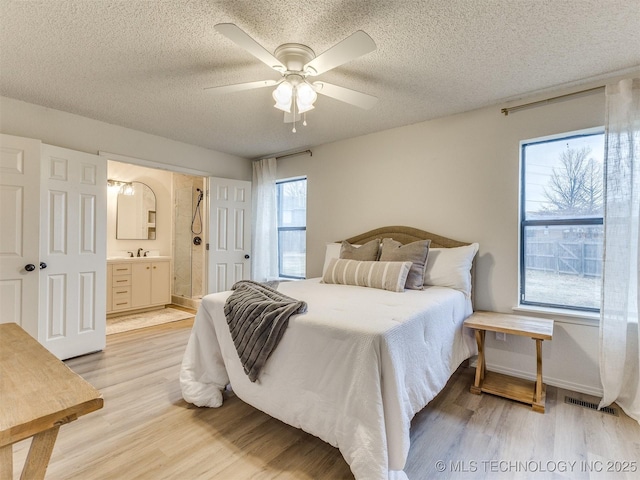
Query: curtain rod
{"x":296,"y":153}
{"x":508,"y":110}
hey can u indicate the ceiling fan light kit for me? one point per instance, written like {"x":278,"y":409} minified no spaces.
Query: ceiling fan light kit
{"x":296,"y":62}
{"x":294,"y":86}
{"x":305,"y":97}
{"x":282,"y":95}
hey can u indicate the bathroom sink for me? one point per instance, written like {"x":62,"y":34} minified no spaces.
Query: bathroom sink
{"x":121,"y":258}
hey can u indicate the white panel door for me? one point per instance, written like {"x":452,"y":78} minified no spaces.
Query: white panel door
{"x":20,"y":216}
{"x":229,"y":233}
{"x":73,"y":206}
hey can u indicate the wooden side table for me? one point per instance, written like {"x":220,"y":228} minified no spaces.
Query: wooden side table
{"x":38,"y":394}
{"x":539,"y":329}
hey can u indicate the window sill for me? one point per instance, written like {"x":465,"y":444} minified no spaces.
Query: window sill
{"x":589,"y":319}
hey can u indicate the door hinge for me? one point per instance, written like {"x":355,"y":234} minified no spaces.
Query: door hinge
{"x":207,"y":246}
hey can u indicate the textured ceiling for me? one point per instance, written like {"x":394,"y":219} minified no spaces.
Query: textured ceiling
{"x":145,"y":64}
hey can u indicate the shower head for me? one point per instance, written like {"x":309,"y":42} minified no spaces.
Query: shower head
{"x":197,"y":213}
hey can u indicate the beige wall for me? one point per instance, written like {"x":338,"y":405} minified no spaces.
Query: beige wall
{"x":457,"y":176}
{"x":62,"y":129}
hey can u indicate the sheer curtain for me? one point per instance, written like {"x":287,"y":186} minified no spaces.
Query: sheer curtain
{"x":619,"y":333}
{"x":265,"y":224}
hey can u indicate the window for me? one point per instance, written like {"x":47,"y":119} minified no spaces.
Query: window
{"x":561,"y":221}
{"x":292,"y":227}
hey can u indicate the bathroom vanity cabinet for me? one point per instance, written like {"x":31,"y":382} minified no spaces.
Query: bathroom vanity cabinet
{"x":138,"y":283}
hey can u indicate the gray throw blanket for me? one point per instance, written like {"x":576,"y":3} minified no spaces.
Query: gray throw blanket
{"x":257,"y":316}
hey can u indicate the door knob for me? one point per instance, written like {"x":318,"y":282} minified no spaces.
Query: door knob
{"x":247,"y":256}
{"x":29,"y":267}
{"x":43,"y":265}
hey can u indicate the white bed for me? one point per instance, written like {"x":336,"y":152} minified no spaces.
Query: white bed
{"x":353,"y":370}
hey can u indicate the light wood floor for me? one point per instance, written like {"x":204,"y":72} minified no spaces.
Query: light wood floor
{"x":147,"y":431}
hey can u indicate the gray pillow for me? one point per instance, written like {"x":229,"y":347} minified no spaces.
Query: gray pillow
{"x":365,"y":253}
{"x":415,"y":252}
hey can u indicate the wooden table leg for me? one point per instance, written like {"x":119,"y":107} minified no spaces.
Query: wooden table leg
{"x":484,"y":357}
{"x":6,"y":462}
{"x":538,"y":396}
{"x":477,"y":386}
{"x":39,"y":454}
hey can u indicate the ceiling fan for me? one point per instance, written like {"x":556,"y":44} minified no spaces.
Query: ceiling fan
{"x":295,"y":94}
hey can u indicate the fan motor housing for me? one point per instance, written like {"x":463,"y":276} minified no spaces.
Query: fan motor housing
{"x":294,"y":56}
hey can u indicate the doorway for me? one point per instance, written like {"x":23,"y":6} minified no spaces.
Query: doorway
{"x":177,"y":195}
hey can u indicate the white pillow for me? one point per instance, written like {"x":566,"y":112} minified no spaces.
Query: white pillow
{"x":332,"y":251}
{"x":451,"y":267}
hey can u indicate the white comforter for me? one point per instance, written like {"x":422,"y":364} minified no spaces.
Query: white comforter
{"x":353,"y":370}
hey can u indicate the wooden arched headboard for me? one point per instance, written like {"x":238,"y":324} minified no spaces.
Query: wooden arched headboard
{"x":405,"y":235}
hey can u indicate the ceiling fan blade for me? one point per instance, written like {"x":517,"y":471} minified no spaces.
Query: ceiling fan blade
{"x":240,"y":38}
{"x":351,"y":47}
{"x":238,"y":87}
{"x":346,"y":95}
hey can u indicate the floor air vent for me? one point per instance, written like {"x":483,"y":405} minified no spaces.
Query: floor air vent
{"x":592,"y":406}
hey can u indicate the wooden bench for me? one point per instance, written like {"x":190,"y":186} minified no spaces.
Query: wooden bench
{"x":38,"y":394}
{"x":525,"y":391}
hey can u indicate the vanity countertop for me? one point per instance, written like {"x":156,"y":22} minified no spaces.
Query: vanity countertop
{"x":136,"y":259}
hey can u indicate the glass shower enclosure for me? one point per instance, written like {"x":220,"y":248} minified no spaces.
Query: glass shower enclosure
{"x":189,"y":245}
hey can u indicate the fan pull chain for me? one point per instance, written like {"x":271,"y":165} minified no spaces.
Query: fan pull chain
{"x":304,"y":122}
{"x":294,"y":110}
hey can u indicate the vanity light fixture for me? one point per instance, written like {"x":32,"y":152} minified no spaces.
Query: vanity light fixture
{"x":126,"y":188}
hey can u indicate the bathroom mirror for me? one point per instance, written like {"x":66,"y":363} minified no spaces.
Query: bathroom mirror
{"x":136,"y":213}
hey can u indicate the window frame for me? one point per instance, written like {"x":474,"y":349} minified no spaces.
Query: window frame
{"x":285,"y":229}
{"x":524,"y":223}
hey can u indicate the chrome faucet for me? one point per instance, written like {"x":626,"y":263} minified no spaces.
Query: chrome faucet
{"x":140,"y":250}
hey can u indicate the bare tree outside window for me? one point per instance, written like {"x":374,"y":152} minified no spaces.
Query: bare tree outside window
{"x":576,"y":185}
